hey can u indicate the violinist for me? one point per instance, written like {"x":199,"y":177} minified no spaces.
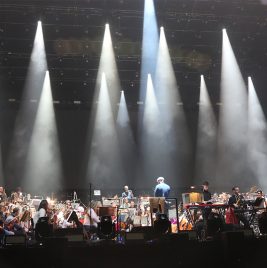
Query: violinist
{"x":12,"y":223}
{"x":17,"y":196}
{"x":43,"y":212}
{"x":42,"y":221}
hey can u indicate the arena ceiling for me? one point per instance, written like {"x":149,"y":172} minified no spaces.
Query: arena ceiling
{"x":73,"y":32}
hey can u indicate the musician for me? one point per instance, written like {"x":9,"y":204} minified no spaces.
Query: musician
{"x":235,"y":202}
{"x":207,"y":199}
{"x":41,"y":212}
{"x":205,"y":190}
{"x":12,"y":225}
{"x":91,"y":219}
{"x":236,"y":199}
{"x":17,"y":196}
{"x":3,"y":196}
{"x":260,"y":201}
{"x":162,"y":189}
{"x":125,"y":203}
{"x":127,"y":193}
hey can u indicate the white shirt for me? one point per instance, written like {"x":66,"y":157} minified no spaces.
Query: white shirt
{"x":94,"y":218}
{"x":39,"y":214}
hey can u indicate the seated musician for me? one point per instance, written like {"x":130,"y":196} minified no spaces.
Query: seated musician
{"x":41,"y":212}
{"x":4,"y":230}
{"x":91,"y":219}
{"x":3,"y":196}
{"x":63,"y":221}
{"x":17,"y":225}
{"x":127,"y":193}
{"x":17,"y":196}
{"x":235,"y":203}
{"x":12,"y":226}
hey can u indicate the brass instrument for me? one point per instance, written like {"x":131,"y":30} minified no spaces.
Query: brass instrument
{"x":238,"y":200}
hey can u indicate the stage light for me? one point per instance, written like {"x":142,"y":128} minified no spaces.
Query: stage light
{"x":44,"y":141}
{"x":108,"y":66}
{"x":126,"y":140}
{"x":232,"y":130}
{"x":103,"y":150}
{"x":152,"y":136}
{"x":104,"y":165}
{"x":149,"y":45}
{"x":257,"y":138}
{"x":205,"y":161}
{"x":171,"y":119}
{"x":26,"y":114}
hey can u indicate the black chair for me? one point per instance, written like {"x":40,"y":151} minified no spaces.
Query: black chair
{"x":106,"y":228}
{"x":43,"y":229}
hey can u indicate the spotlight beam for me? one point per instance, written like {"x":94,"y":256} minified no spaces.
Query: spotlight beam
{"x":231,"y":165}
{"x":257,"y":138}
{"x":126,"y":141}
{"x":27,"y":111}
{"x":104,"y":167}
{"x":149,"y":45}
{"x":206,"y":137}
{"x":43,"y":169}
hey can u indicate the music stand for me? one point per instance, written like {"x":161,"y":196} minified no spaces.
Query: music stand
{"x":157,"y":204}
{"x":111,"y":201}
{"x":107,"y":211}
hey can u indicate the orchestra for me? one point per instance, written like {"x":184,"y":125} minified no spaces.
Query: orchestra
{"x":19,"y":214}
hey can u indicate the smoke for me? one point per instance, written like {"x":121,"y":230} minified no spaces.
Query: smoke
{"x":126,"y":141}
{"x":232,"y":161}
{"x":43,"y":171}
{"x":108,"y":66}
{"x":104,"y":168}
{"x":174,"y":144}
{"x":257,"y":138}
{"x":27,"y":112}
{"x":206,"y":138}
{"x":149,"y":45}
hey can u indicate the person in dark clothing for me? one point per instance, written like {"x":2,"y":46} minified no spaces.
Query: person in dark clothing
{"x":236,"y":202}
{"x":162,"y":189}
{"x":205,"y":190}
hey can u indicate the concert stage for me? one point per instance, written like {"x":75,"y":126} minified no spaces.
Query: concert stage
{"x":233,"y":249}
